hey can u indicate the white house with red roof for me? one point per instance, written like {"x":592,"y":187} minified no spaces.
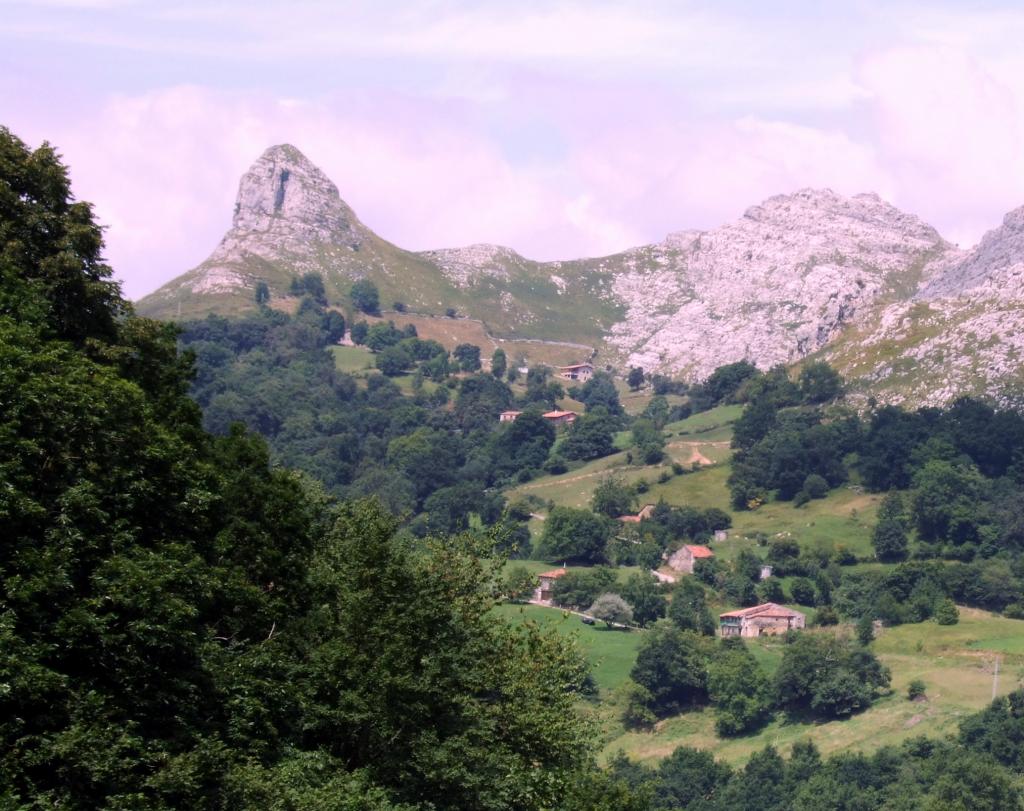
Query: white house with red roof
{"x":767,"y":619}
{"x":579,"y":371}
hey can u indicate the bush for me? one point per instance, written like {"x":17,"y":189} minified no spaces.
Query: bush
{"x":815,"y":486}
{"x":946,"y":613}
{"x":518,"y":583}
{"x":637,"y":714}
{"x":915,"y":690}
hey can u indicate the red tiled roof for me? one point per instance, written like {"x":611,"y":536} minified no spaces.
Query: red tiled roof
{"x":770,"y":610}
{"x":554,"y":415}
{"x":554,"y":573}
{"x":700,"y":551}
{"x":505,"y":413}
{"x":578,"y":366}
{"x":630,"y":519}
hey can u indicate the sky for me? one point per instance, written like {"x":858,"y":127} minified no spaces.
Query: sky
{"x":560,"y":129}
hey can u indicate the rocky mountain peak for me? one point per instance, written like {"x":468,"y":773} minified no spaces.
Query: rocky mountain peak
{"x":283,"y":192}
{"x":995,"y":267}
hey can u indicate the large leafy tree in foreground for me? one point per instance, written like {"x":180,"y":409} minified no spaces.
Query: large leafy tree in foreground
{"x":183,"y":626}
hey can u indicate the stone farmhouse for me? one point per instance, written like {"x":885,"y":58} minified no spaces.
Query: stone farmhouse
{"x":767,"y":619}
{"x":580,"y":371}
{"x":684,"y":559}
{"x":544,"y":591}
{"x":557,"y":418}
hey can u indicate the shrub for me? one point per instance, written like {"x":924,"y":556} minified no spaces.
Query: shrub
{"x":612,"y":609}
{"x":915,"y":690}
{"x":946,"y":613}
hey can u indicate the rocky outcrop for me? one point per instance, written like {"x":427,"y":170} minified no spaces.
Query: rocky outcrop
{"x":772,"y":287}
{"x":961,"y":333}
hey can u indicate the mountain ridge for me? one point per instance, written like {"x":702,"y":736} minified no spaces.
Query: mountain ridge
{"x":794,"y":276}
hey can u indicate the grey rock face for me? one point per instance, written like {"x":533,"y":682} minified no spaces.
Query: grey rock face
{"x":285,"y":206}
{"x":994,"y":268}
{"x":775,"y":285}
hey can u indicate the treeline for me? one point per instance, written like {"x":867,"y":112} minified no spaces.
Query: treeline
{"x":963,"y":465}
{"x":821,"y":676}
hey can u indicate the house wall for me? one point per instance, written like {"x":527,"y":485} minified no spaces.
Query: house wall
{"x":769,"y":626}
{"x":682,"y":561}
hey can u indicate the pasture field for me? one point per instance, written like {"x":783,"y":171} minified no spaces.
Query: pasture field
{"x":352,"y":359}
{"x":956,"y":663}
{"x":610,"y":652}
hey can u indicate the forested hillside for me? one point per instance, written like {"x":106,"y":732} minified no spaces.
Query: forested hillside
{"x":183,"y":626}
{"x":185,"y":623}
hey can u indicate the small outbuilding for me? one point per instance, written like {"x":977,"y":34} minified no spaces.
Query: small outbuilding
{"x":545,"y":590}
{"x":509,"y":416}
{"x":768,"y":619}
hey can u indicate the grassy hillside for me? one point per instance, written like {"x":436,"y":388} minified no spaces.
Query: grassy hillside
{"x":514,"y":298}
{"x":956,"y":664}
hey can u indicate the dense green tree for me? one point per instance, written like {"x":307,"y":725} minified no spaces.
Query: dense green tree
{"x":739,"y":689}
{"x":52,"y":272}
{"x":499,"y":363}
{"x":819,"y":383}
{"x":591,"y":437}
{"x":579,"y":588}
{"x":635,"y":379}
{"x":672,"y":665}
{"x":613,"y":497}
{"x":688,"y":610}
{"x":689,"y":777}
{"x":360,"y":329}
{"x":480,"y":400}
{"x":945,"y":502}
{"x":725,"y":381}
{"x":365,"y":297}
{"x":657,"y":411}
{"x":574,"y":535}
{"x":334,"y":325}
{"x":643,"y":592}
{"x":648,"y":441}
{"x":946,"y":613}
{"x":468,"y":357}
{"x":393,"y":361}
{"x":261,"y":294}
{"x":600,"y":392}
{"x":827,"y":676}
{"x":889,"y":540}
{"x":803,"y":592}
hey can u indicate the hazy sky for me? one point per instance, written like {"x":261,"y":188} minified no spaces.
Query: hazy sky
{"x":561,"y":129}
